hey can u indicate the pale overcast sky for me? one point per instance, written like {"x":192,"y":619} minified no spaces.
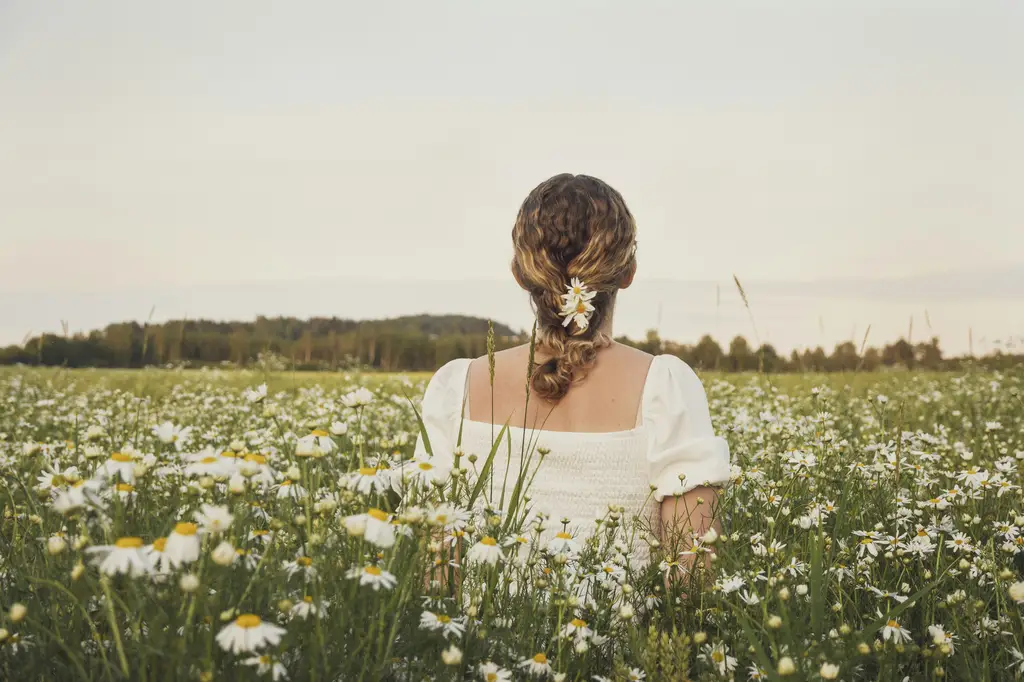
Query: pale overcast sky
{"x":167,"y":152}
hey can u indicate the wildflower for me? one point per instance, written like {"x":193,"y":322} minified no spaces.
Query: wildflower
{"x":718,"y":657}
{"x":189,"y":583}
{"x":182,"y":545}
{"x":829,"y":671}
{"x":55,"y":544}
{"x":1017,"y":592}
{"x":536,"y":665}
{"x":576,"y":627}
{"x":367,"y":480}
{"x":214,"y":519}
{"x":124,"y":556}
{"x":300,"y":564}
{"x":786,"y":666}
{"x":486,"y":551}
{"x":17,"y":612}
{"x":894,"y":631}
{"x":168,"y":433}
{"x":361,"y":397}
{"x":306,"y":608}
{"x":448,"y":626}
{"x":265,"y":664}
{"x":491,"y":672}
{"x":120,"y":464}
{"x":288,"y":488}
{"x":452,"y":655}
{"x":255,"y":395}
{"x":55,"y":477}
{"x":562,"y":543}
{"x":223,"y":554}
{"x":248,"y":632}
{"x":373,"y":576}
{"x":339,"y":428}
{"x":316,"y":444}
{"x":374,"y":525}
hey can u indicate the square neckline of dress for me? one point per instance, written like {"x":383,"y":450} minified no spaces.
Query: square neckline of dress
{"x":638,"y":428}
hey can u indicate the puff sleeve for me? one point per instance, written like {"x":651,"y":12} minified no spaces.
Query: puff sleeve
{"x":681,"y":440}
{"x":441,"y":410}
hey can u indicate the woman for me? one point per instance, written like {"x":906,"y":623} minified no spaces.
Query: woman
{"x":607,"y":423}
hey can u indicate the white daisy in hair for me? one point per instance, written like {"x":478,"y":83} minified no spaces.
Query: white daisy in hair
{"x":576,"y":305}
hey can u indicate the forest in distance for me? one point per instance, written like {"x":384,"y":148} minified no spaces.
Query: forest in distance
{"x":425,"y":342}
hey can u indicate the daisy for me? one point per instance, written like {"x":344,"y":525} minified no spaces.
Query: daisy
{"x":492,"y":672}
{"x":168,"y":433}
{"x":248,"y":632}
{"x":255,"y":467}
{"x":373,"y":576}
{"x":422,"y":471}
{"x":316,"y":444}
{"x":374,"y":526}
{"x":125,"y":556}
{"x":289,"y":488}
{"x":448,"y":626}
{"x":367,"y":479}
{"x":157,"y":556}
{"x":56,"y":477}
{"x":894,"y":631}
{"x":265,"y":664}
{"x":306,"y":608}
{"x":300,"y":564}
{"x":718,"y":657}
{"x":578,"y":311}
{"x":447,"y":516}
{"x":213,"y":518}
{"x":486,"y":551}
{"x":361,"y":397}
{"x":562,"y":543}
{"x":120,"y":464}
{"x":182,"y":545}
{"x":255,"y":395}
{"x":84,"y":493}
{"x":578,"y":628}
{"x":536,"y":665}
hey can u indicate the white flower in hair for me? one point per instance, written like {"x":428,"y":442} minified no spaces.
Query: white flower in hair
{"x":576,"y":306}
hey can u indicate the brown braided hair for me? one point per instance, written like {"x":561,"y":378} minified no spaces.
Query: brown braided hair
{"x":571,"y":226}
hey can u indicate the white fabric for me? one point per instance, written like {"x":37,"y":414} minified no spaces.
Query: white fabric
{"x":585,"y":472}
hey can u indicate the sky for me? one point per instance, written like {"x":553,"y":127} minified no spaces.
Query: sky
{"x":854,"y":163}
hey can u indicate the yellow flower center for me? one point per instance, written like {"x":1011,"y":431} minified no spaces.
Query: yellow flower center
{"x":125,"y":487}
{"x":367,"y":471}
{"x":304,"y":561}
{"x":378,"y":514}
{"x":228,"y":454}
{"x":185,"y":528}
{"x":893,"y":624}
{"x":248,"y":621}
{"x":489,"y":541}
{"x":492,"y":677}
{"x":577,"y":623}
{"x":259,"y":459}
{"x":58,"y":480}
{"x":285,"y":482}
{"x":319,"y":434}
{"x":265,"y":660}
{"x":260,"y":533}
{"x":128,"y":543}
{"x":444,"y":619}
{"x":208,"y":460}
{"x":563,"y":536}
{"x":372,"y":570}
{"x":159,"y":544}
{"x":121,"y":457}
{"x":717,"y":656}
{"x":540,"y":659}
{"x":426,"y":466}
{"x":307,"y":599}
{"x":581,"y":308}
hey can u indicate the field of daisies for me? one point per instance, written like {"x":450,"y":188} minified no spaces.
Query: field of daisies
{"x":202,"y":526}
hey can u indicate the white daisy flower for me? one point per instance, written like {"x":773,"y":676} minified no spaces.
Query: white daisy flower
{"x":374,"y":525}
{"x":214,"y":518}
{"x":894,"y":631}
{"x":492,"y":672}
{"x":486,"y":551}
{"x":120,"y":464}
{"x":360,"y":397}
{"x":316,"y":444}
{"x":373,"y":576}
{"x":367,"y":480}
{"x":125,"y":556}
{"x":265,"y":664}
{"x":255,"y":395}
{"x":536,"y":665}
{"x":182,"y":545}
{"x":290,"y":489}
{"x":306,"y":608}
{"x":448,"y":626}
{"x":168,"y":433}
{"x":248,"y":632}
{"x":562,"y":543}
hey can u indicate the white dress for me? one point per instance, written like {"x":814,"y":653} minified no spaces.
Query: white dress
{"x":584,"y":473}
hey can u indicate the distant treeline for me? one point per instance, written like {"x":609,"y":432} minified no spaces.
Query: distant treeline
{"x":420,"y":343}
